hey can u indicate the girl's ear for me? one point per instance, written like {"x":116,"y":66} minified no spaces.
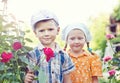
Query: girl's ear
{"x":58,"y":30}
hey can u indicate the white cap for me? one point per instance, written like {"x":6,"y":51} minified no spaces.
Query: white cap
{"x":43,"y":15}
{"x":80,"y":26}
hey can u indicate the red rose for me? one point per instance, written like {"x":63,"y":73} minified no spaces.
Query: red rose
{"x":112,"y":72}
{"x":6,"y":57}
{"x":17,"y":45}
{"x":49,"y":53}
{"x":107,"y":58}
{"x":110,"y":36}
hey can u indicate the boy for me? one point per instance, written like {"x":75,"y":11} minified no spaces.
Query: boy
{"x":46,"y":27}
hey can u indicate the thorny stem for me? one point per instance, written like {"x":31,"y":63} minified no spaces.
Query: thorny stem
{"x":112,"y":47}
{"x":18,"y":72}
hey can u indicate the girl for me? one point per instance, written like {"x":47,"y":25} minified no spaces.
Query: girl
{"x":88,"y":65}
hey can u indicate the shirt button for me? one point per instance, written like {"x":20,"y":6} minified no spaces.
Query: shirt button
{"x":53,"y":72}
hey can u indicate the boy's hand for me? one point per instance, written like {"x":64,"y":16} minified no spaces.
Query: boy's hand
{"x":29,"y":77}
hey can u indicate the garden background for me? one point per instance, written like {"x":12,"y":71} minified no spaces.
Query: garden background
{"x":13,"y":23}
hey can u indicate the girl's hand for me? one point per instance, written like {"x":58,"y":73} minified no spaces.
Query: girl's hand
{"x":29,"y":77}
{"x":67,"y":78}
{"x":95,"y":79}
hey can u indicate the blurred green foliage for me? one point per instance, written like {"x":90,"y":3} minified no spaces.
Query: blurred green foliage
{"x":10,"y":30}
{"x":98,"y":30}
{"x":116,"y":40}
{"x":116,"y":12}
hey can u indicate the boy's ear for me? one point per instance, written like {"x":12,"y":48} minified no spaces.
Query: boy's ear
{"x":34,"y":32}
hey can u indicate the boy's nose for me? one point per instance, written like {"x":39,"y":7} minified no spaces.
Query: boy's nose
{"x":46,"y":32}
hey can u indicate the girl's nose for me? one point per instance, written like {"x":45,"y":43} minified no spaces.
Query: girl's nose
{"x":76,"y":41}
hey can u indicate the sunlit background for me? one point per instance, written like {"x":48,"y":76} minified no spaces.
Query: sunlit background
{"x":68,"y":11}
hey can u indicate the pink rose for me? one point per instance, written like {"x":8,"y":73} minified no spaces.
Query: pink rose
{"x":17,"y":45}
{"x":110,"y":36}
{"x":6,"y":57}
{"x":49,"y":53}
{"x":107,"y":58}
{"x":112,"y":72}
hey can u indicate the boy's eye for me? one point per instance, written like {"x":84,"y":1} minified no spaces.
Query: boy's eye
{"x":50,"y":29}
{"x":41,"y":30}
{"x":47,"y":30}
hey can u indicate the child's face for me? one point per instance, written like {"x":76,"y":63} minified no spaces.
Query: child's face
{"x":46,"y":32}
{"x":76,"y":40}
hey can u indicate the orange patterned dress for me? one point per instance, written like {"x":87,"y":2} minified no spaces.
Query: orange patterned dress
{"x":87,"y":65}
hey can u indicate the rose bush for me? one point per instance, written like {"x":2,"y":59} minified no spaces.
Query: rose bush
{"x":112,"y":62}
{"x":13,"y":64}
{"x":12,"y":53}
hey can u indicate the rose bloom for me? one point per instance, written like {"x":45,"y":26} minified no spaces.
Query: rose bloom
{"x":6,"y":57}
{"x":112,"y":72}
{"x":49,"y":53}
{"x":110,"y":36}
{"x":107,"y":58}
{"x":17,"y":45}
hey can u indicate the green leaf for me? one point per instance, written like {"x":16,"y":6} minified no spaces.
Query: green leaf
{"x":116,"y":61}
{"x":29,"y":40}
{"x":24,"y":59}
{"x":42,"y":77}
{"x":116,"y":40}
{"x":27,"y":31}
{"x":2,"y":66}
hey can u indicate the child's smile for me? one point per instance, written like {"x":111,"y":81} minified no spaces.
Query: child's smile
{"x":46,"y":32}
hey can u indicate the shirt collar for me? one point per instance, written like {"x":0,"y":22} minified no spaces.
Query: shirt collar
{"x":40,"y":46}
{"x":80,"y":55}
{"x":57,"y":47}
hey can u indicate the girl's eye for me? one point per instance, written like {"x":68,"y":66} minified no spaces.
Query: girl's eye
{"x":80,"y":38}
{"x":72,"y":38}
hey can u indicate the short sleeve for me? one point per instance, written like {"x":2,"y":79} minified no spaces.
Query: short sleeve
{"x":96,"y":65}
{"x":68,"y":65}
